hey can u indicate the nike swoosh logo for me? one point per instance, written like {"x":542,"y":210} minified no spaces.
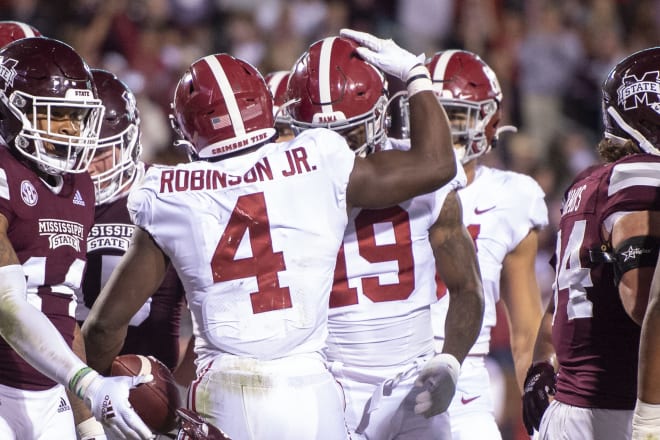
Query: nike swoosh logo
{"x":465,"y":401}
{"x":481,"y":211}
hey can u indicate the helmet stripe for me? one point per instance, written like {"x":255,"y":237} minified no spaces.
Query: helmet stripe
{"x":27,"y":30}
{"x":275,"y":80}
{"x":228,"y":93}
{"x":324,"y":74}
{"x":441,"y":66}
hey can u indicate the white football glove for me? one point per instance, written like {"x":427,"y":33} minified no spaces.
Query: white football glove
{"x":384,"y":54}
{"x":438,"y":378}
{"x":107,"y":398}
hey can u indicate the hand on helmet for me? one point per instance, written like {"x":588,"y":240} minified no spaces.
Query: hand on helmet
{"x":540,"y":383}
{"x":384,"y":54}
{"x":107,"y":397}
{"x":438,"y":379}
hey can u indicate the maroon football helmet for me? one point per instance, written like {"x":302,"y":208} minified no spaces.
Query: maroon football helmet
{"x":115,"y":162}
{"x":465,"y":85}
{"x":221,"y":105}
{"x":631,"y":101}
{"x":193,"y":427}
{"x":42,"y":79}
{"x":334,"y":88}
{"x":15,"y":30}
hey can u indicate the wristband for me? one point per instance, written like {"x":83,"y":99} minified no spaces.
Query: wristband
{"x":418,"y":80}
{"x":646,"y":421}
{"x":81,"y":380}
{"x":90,"y":429}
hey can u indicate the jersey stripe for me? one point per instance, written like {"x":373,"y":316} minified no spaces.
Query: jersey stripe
{"x":228,"y":93}
{"x":625,"y":175}
{"x":4,"y":186}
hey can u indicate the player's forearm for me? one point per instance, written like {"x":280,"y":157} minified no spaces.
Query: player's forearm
{"x":30,"y":333}
{"x":464,"y":319}
{"x":649,"y":355}
{"x":430,"y":137}
{"x":543,"y":348}
{"x":102,"y":345}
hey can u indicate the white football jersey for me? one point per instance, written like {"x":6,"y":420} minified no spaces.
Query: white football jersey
{"x":254,"y":239}
{"x":385,"y":281}
{"x":499,"y":209}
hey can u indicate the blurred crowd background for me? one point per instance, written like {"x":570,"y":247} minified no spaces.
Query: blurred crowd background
{"x":550,"y":56}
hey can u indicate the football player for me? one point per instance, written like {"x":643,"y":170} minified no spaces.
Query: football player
{"x":50,"y":117}
{"x":503,"y":211}
{"x":154,"y":330}
{"x":380,"y":342}
{"x":253,"y":228}
{"x":607,"y":248}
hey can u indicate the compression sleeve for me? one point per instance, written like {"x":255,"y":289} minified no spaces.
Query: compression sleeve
{"x":30,"y":333}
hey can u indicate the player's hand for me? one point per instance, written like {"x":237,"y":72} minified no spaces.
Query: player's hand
{"x":540,"y":383}
{"x":438,"y":379}
{"x":107,"y":397}
{"x":384,"y":54}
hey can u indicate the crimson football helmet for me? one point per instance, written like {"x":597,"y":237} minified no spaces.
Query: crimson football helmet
{"x":193,"y":427}
{"x":631,"y":101}
{"x":15,"y":30}
{"x":115,"y":163}
{"x":467,"y":87}
{"x":221,"y":105}
{"x":277,"y":82}
{"x":42,"y":83}
{"x":333,"y":87}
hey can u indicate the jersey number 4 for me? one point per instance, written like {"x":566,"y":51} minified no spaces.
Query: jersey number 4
{"x":250,"y":215}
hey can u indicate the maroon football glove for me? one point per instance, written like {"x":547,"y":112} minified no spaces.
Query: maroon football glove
{"x":540,"y":383}
{"x":194,"y":427}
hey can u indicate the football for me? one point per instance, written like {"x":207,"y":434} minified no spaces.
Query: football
{"x":155,"y":402}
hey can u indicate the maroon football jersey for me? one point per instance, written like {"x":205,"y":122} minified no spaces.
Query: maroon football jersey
{"x":154,"y":330}
{"x":48,"y":232}
{"x":596,"y":342}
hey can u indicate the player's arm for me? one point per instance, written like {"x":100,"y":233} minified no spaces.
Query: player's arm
{"x":521,"y":295}
{"x":31,"y":334}
{"x":391,"y":177}
{"x":646,"y":418}
{"x":87,"y":427}
{"x":540,"y":380}
{"x":638,"y":230}
{"x":641,"y":304}
{"x":137,"y":276}
{"x":456,"y":263}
